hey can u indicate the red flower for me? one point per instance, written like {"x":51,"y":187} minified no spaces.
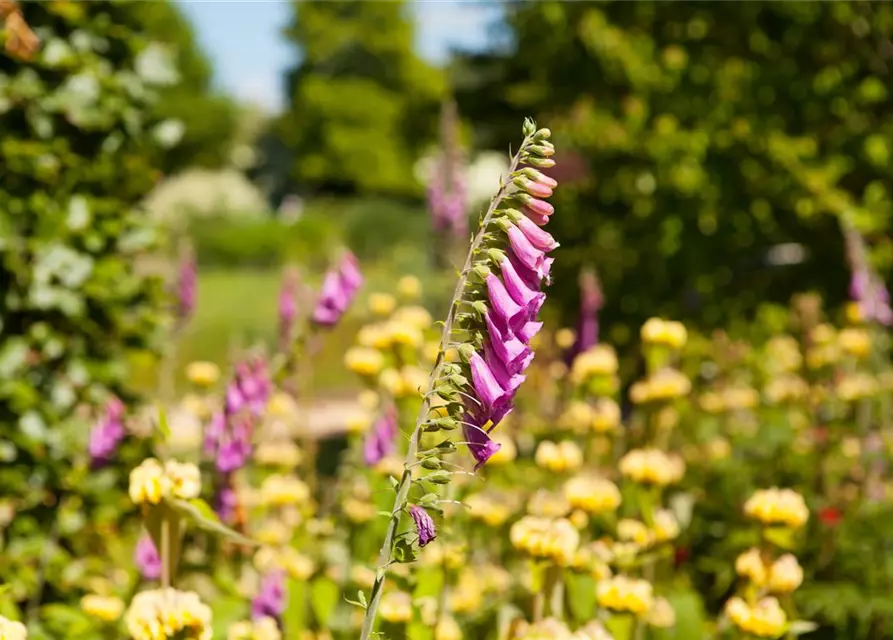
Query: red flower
{"x":830,"y":516}
{"x":681,"y":555}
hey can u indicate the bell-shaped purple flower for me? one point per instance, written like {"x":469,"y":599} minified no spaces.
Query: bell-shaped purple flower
{"x":519,"y":289}
{"x":488,"y":390}
{"x":509,"y":349}
{"x":478,"y":442}
{"x":107,"y":433}
{"x":146,"y":558}
{"x":509,"y":382}
{"x":381,"y":440}
{"x":529,"y":330}
{"x":506,"y":309}
{"x":270,"y":599}
{"x":539,"y":238}
{"x":424,"y":524}
{"x":527,"y":254}
{"x":339,"y":288}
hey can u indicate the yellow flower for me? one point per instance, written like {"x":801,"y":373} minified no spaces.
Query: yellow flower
{"x":281,"y":405}
{"x":786,"y":574}
{"x":565,"y":338}
{"x":777,"y":506}
{"x":364,"y":361}
{"x":148,"y":482}
{"x":358,"y":422}
{"x":853,"y":313}
{"x":629,"y":530}
{"x":786,"y":388}
{"x":662,"y":615}
{"x":556,"y":539}
{"x":363,"y":577}
{"x":391,"y":381}
{"x":507,"y":451}
{"x":430,"y":351}
{"x":783,"y":354}
{"x":185,"y":479}
{"x":593,"y":495}
{"x":857,"y":386}
{"x":578,"y":416}
{"x":279,"y":453}
{"x":373,"y":336}
{"x":416,"y":316}
{"x":718,"y":448}
{"x":491,"y":512}
{"x":468,"y":594}
{"x":606,"y":417}
{"x":592,"y":631}
{"x":766,"y":619}
{"x":621,"y":593}
{"x":557,"y":370}
{"x":396,"y":607}
{"x":202,"y":374}
{"x":712,"y":402}
{"x":274,"y":533}
{"x":392,"y":465}
{"x":12,"y":630}
{"x":855,"y":342}
{"x":548,"y":629}
{"x":409,"y":287}
{"x":368,"y":400}
{"x":414,"y":380}
{"x":558,"y":458}
{"x":168,"y":613}
{"x":382,"y":304}
{"x":666,"y":384}
{"x":548,"y":504}
{"x":282,"y":490}
{"x":652,"y":466}
{"x":264,"y":628}
{"x":106,"y":608}
{"x":750,"y":565}
{"x":599,"y":360}
{"x":666,"y":527}
{"x":447,"y":629}
{"x":666,"y":332}
{"x":740,"y":398}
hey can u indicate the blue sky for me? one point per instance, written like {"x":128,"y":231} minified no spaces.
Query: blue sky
{"x":243,"y":38}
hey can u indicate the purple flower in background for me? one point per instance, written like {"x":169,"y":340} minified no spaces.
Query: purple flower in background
{"x":146,"y":558}
{"x":591,"y":302}
{"x":107,"y":433}
{"x":226,"y":504}
{"x":382,"y":437}
{"x":447,"y":191}
{"x":339,"y":289}
{"x":187,"y":285}
{"x":866,"y":287}
{"x":288,"y":308}
{"x":424,"y":524}
{"x":270,"y":600}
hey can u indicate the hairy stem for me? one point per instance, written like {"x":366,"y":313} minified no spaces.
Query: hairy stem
{"x":403,"y":487}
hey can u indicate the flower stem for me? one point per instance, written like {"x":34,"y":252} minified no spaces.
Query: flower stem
{"x":403,"y":487}
{"x":165,"y":552}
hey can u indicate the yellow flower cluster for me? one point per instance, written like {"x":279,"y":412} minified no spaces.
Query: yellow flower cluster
{"x":409,"y":287}
{"x":600,"y":360}
{"x":382,"y":304}
{"x":105,"y":608}
{"x":664,"y":332}
{"x":364,"y":361}
{"x":857,"y":386}
{"x":262,"y":629}
{"x":402,"y":383}
{"x":855,"y":342}
{"x":736,"y":398}
{"x":414,"y":316}
{"x":559,"y":458}
{"x":202,"y":374}
{"x":652,"y":466}
{"x":750,"y":565}
{"x":280,"y":453}
{"x":163,"y":614}
{"x":765,"y":619}
{"x":785,"y":575}
{"x":783,"y":355}
{"x":786,"y":388}
{"x":280,"y":490}
{"x":565,"y":338}
{"x":601,"y":417}
{"x":553,"y":629}
{"x":447,"y":629}
{"x":556,"y":539}
{"x":490,"y":511}
{"x":777,"y":506}
{"x":592,"y":494}
{"x":296,"y":564}
{"x":12,"y":630}
{"x":624,"y":594}
{"x":396,"y":607}
{"x":666,"y":384}
{"x":662,"y":614}
{"x":150,"y":482}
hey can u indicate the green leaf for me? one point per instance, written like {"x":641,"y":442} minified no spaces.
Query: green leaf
{"x":324,"y":595}
{"x":295,"y":617}
{"x":801,"y":627}
{"x":163,"y":427}
{"x":782,"y":538}
{"x":202,"y":515}
{"x":621,"y":626}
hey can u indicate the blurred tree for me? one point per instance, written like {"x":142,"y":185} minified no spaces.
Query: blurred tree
{"x":363,"y":104}
{"x":707,"y":135}
{"x":209,"y":118}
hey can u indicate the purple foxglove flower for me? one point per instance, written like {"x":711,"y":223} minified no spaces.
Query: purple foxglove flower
{"x":226,"y":504}
{"x":506,"y":346}
{"x":214,"y":432}
{"x":509,"y":382}
{"x":234,"y":401}
{"x":540,"y":239}
{"x":488,"y":390}
{"x":529,"y":330}
{"x":517,"y":287}
{"x":506,"y":309}
{"x":381,"y":440}
{"x":478,"y":442}
{"x":288,"y":308}
{"x":187,"y":284}
{"x":350,"y":273}
{"x":537,"y":189}
{"x":270,"y":600}
{"x":590,"y":304}
{"x":859,"y":285}
{"x":537,"y":207}
{"x":536,"y":218}
{"x":424,"y":524}
{"x":527,"y":254}
{"x":107,"y":434}
{"x":338,"y":291}
{"x":146,"y":558}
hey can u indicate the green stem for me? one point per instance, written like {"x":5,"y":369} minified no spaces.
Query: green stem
{"x":403,"y":487}
{"x":165,"y":552}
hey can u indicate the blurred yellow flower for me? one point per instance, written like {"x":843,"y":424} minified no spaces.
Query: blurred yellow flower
{"x":447,"y":629}
{"x":592,"y":494}
{"x":556,"y":539}
{"x":278,"y":453}
{"x":401,"y":332}
{"x":431,"y":350}
{"x":750,"y":565}
{"x":606,"y":416}
{"x":666,"y":526}
{"x":853,"y":313}
{"x":766,"y":619}
{"x":577,"y":416}
{"x":629,"y":530}
{"x":296,"y":564}
{"x":364,"y":361}
{"x":559,"y":458}
{"x":281,"y":405}
{"x":362,"y":576}
{"x":507,"y":450}
{"x":382,"y":304}
{"x":106,"y":608}
{"x":666,"y":384}
{"x":777,"y":506}
{"x":855,"y":342}
{"x":599,"y":360}
{"x":358,"y":422}
{"x":652,"y":466}
{"x":264,"y":628}
{"x":409,"y":287}
{"x":374,"y":336}
{"x":665,"y":332}
{"x":358,"y":511}
{"x":565,"y":338}
{"x":548,"y":504}
{"x":487,"y":510}
{"x":391,"y":381}
{"x":202,"y":374}
{"x":281,"y":490}
{"x":414,"y":381}
{"x":12,"y":630}
{"x":857,"y":386}
{"x":623,"y":594}
{"x":415,"y":316}
{"x":148,"y":482}
{"x":396,"y":607}
{"x":786,"y":574}
{"x":662,"y":615}
{"x":786,"y":388}
{"x":168,"y":613}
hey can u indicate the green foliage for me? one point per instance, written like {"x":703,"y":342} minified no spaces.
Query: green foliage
{"x":78,"y":152}
{"x":363,"y":104}
{"x":705,"y":135}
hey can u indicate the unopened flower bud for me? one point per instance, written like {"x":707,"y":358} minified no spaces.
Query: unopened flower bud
{"x":542,"y":178}
{"x":541,"y":150}
{"x":542,"y":134}
{"x":533,"y":188}
{"x":542,"y":163}
{"x":439,"y":477}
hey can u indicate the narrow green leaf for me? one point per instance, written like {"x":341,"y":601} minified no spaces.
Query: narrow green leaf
{"x":202,"y":515}
{"x":323,"y":600}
